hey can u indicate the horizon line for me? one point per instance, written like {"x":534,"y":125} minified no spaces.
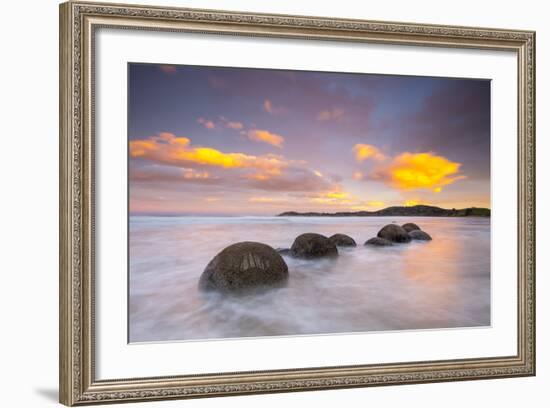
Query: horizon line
{"x":190,"y":214}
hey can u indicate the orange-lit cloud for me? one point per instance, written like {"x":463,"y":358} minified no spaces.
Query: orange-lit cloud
{"x":231,"y":124}
{"x":207,"y":123}
{"x":417,"y":171}
{"x":365,"y":151}
{"x":266,"y":136}
{"x":234,"y":125}
{"x":337,"y":194}
{"x":267,"y":200}
{"x":169,"y":149}
{"x":330,"y":114}
{"x":357,"y":175}
{"x":411,"y":203}
{"x":335,"y":197}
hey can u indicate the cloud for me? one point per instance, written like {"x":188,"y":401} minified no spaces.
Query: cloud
{"x":207,"y":123}
{"x":365,"y":151}
{"x":272,"y":109}
{"x":368,"y":205}
{"x":454,"y":119}
{"x":339,"y":195}
{"x":222,"y":122}
{"x":168,"y":69}
{"x":267,"y":106}
{"x":417,"y":171}
{"x":411,"y":203}
{"x":375,"y":203}
{"x":293,"y":179}
{"x":267,"y":200}
{"x":331,"y":114}
{"x":194,"y":174}
{"x":160,"y":174}
{"x":234,"y":125}
{"x":266,"y":136}
{"x":167,"y":148}
{"x":357,"y":175}
{"x":230,"y":124}
{"x":335,"y":196}
{"x":166,"y":157}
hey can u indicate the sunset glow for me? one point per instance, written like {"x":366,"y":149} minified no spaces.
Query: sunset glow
{"x":418,"y":171}
{"x":233,"y":141}
{"x":365,"y":151}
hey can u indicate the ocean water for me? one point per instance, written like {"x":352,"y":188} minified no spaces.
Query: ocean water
{"x":442,"y":283}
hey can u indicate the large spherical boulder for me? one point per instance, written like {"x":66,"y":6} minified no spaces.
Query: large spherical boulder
{"x":376,"y":241}
{"x":420,"y":235}
{"x":311,"y":246}
{"x":410,"y":226}
{"x":342,"y":240}
{"x":394,"y":233}
{"x":242,"y":266}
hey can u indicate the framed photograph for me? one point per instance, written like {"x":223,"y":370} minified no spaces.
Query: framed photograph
{"x":256,"y":203}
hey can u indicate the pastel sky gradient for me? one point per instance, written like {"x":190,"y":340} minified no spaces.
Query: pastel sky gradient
{"x":243,"y":141}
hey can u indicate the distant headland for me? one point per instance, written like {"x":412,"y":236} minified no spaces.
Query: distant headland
{"x":397,"y":211}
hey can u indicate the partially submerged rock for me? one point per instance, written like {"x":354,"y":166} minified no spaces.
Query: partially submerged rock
{"x":342,"y":240}
{"x":283,"y":251}
{"x":394,"y":233}
{"x":420,"y":235}
{"x":376,"y":241}
{"x":242,"y":266}
{"x":311,"y":246}
{"x":410,"y":226}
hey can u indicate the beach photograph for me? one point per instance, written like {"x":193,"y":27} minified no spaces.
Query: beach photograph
{"x":268,"y":202}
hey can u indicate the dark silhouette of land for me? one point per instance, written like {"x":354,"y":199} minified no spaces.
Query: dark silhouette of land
{"x":397,"y":211}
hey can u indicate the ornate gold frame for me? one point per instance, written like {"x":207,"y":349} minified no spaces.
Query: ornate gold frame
{"x":78,"y":21}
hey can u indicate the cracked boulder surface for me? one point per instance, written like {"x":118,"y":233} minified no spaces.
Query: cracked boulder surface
{"x":342,"y":240}
{"x":244,"y":266}
{"x":311,"y":246}
{"x":394,"y":233}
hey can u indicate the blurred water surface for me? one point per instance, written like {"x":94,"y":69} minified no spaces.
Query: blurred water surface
{"x":438,"y":284}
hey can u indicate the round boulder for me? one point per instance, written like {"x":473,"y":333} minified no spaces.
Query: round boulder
{"x":376,"y":241}
{"x":311,"y":246}
{"x":420,"y":235}
{"x":342,"y":240}
{"x":394,"y":233}
{"x":242,"y":266}
{"x":410,"y":226}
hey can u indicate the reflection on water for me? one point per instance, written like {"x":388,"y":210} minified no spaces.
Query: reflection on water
{"x":437,"y":284}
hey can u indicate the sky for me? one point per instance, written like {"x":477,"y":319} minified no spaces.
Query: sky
{"x":244,"y":141}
